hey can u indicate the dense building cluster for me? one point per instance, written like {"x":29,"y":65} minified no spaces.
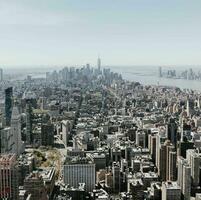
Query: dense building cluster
{"x":86,"y":133}
{"x":189,"y":74}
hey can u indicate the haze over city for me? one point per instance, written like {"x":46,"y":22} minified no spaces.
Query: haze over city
{"x":100,"y":100}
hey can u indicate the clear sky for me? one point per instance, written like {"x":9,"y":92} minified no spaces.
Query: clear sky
{"x":130,"y":32}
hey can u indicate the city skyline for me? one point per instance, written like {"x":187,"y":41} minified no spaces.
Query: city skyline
{"x":122,"y":33}
{"x":100,"y":100}
{"x":88,"y":133}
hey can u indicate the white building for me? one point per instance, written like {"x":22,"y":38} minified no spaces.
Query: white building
{"x":80,"y":173}
{"x":198,"y":196}
{"x":16,"y":131}
{"x":184,"y":177}
{"x":186,"y":191}
{"x":66,"y":127}
{"x":194,"y":161}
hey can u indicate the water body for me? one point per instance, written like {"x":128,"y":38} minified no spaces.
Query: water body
{"x":148,"y":75}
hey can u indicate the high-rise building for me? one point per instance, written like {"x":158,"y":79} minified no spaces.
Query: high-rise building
{"x":172,"y":170}
{"x":80,"y":171}
{"x":47,"y":134}
{"x":152,"y":147}
{"x":171,"y":191}
{"x":7,"y":140}
{"x":183,"y":146}
{"x":29,"y":97}
{"x":8,"y":104}
{"x":9,"y":177}
{"x":26,"y":164}
{"x":141,"y":139}
{"x":99,"y":159}
{"x":87,"y":65}
{"x":16,"y":131}
{"x":99,"y":64}
{"x":1,"y":74}
{"x":23,"y":194}
{"x":160,"y":139}
{"x":66,"y":127}
{"x":184,"y":177}
{"x":186,"y":187}
{"x":34,"y":185}
{"x":170,"y":148}
{"x":164,"y":160}
{"x":194,"y":160}
{"x":136,"y":188}
{"x":154,"y":192}
{"x":172,"y":131}
{"x":190,"y":107}
{"x":160,"y":71}
{"x":116,"y":177}
{"x":181,"y":162}
{"x":198,"y":196}
{"x":109,"y":180}
{"x":29,"y":116}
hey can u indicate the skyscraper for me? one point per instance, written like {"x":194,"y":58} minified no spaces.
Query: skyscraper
{"x":164,"y":161}
{"x":7,"y":140}
{"x":184,"y":177}
{"x":183,"y":146}
{"x":194,"y":161}
{"x":160,"y":71}
{"x":189,"y":107}
{"x":28,"y":122}
{"x":16,"y":130}
{"x":9,"y":177}
{"x":186,"y":188}
{"x":116,"y":177}
{"x":99,"y":64}
{"x":171,"y":191}
{"x":1,"y":75}
{"x":8,"y":104}
{"x":47,"y":134}
{"x":152,"y":147}
{"x":172,"y":170}
{"x":181,"y":162}
{"x":172,"y":131}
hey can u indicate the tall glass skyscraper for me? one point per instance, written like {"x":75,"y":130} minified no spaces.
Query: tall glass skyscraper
{"x":8,"y":105}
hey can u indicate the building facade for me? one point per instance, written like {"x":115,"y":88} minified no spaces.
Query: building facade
{"x":80,"y":173}
{"x":9,"y":177}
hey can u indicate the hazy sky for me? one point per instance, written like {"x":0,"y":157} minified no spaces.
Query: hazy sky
{"x":130,"y":32}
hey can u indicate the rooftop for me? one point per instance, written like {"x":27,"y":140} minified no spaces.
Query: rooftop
{"x":171,"y":185}
{"x":7,"y":158}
